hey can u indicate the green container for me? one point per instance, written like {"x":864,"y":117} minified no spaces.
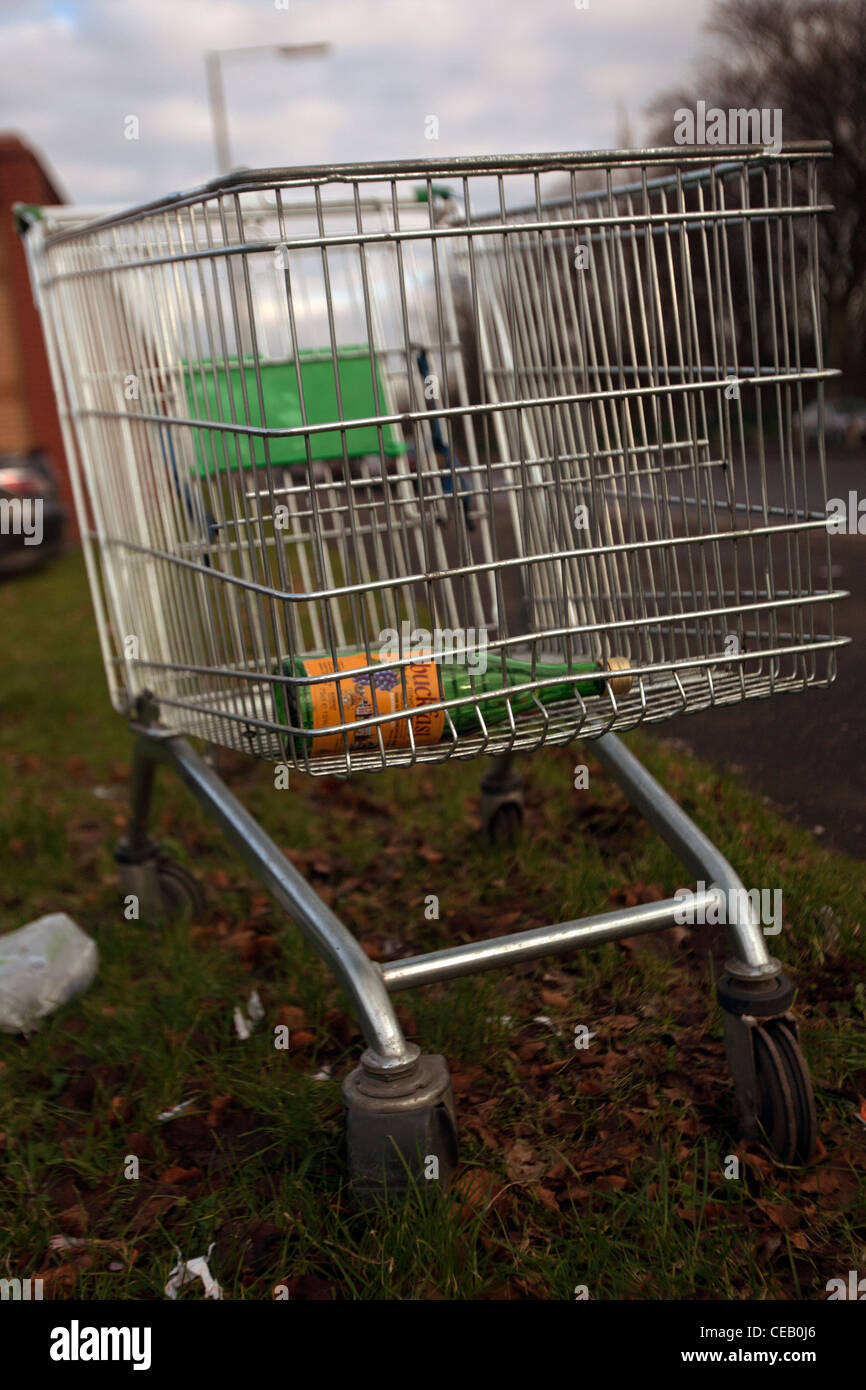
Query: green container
{"x":216,"y":393}
{"x":456,"y":681}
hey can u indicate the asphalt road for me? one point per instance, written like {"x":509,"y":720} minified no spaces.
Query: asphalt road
{"x":806,"y":752}
{"x":803,"y":751}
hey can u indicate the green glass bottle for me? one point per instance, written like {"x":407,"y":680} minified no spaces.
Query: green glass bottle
{"x":318,"y":705}
{"x":457,"y":681}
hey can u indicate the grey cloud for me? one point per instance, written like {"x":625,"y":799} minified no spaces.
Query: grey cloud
{"x":500,"y":75}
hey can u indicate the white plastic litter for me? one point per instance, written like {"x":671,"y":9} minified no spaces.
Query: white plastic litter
{"x":242,"y":1024}
{"x":42,"y":966}
{"x":187,"y":1271}
{"x":245,"y":1022}
{"x":548,"y":1023}
{"x":176,"y":1110}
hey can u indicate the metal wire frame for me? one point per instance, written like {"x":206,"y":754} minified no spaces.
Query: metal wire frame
{"x":606,"y":386}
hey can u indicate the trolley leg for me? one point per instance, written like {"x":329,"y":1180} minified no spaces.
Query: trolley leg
{"x":136,"y":843}
{"x":502,"y":800}
{"x":762,"y":1044}
{"x":359,"y":976}
{"x":695,"y":850}
{"x":159,"y":887}
{"x":399,"y":1102}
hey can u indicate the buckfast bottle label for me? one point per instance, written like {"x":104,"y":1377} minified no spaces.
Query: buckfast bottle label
{"x":365,"y":696}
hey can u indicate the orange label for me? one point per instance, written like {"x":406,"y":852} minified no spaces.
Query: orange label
{"x":361,"y":702}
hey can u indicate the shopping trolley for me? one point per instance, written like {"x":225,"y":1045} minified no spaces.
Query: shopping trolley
{"x":391,"y":464}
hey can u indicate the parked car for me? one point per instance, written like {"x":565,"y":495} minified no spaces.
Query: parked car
{"x":844,"y":421}
{"x":32,"y":517}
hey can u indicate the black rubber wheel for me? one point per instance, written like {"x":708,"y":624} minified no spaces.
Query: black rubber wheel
{"x":392,"y":1138}
{"x":180,"y":892}
{"x":785,"y":1101}
{"x":398,"y":1161}
{"x":504,"y":826}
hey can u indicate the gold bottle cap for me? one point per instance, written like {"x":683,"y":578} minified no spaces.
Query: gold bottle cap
{"x":620,"y":685}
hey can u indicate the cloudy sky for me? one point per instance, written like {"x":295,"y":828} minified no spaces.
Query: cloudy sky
{"x":500,"y":75}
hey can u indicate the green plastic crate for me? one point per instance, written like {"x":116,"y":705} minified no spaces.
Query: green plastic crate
{"x":208,"y":399}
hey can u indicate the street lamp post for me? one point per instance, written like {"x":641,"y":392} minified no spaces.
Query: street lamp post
{"x":216,"y":87}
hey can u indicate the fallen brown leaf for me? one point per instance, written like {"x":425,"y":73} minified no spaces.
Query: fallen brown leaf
{"x":621,"y":1023}
{"x":290,"y":1016}
{"x":557,"y":1171}
{"x":479,"y":1190}
{"x":823,"y":1180}
{"x":590,"y":1087}
{"x":781,"y":1215}
{"x":632,"y":894}
{"x":175,"y":1174}
{"x":555,"y":1000}
{"x":59,"y":1280}
{"x":217,"y":1106}
{"x":74,"y":1219}
{"x":463,"y":1081}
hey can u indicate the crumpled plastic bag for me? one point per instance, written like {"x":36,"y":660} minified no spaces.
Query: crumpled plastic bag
{"x":187,"y":1271}
{"x":42,"y":966}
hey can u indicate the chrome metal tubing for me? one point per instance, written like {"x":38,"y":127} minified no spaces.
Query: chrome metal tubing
{"x":484,"y":399}
{"x":544,"y":941}
{"x":691,"y":846}
{"x":388,"y":1052}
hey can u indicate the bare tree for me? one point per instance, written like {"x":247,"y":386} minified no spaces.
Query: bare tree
{"x":808,"y":59}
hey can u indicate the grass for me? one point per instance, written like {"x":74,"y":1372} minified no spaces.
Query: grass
{"x":601,"y":1168}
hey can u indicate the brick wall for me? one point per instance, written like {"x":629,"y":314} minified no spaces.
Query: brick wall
{"x":28,"y":416}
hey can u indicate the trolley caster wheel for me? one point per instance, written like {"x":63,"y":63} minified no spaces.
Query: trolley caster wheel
{"x":164,"y":890}
{"x":785,"y":1109}
{"x":180,"y":891}
{"x":771,"y":1078}
{"x":401,"y":1132}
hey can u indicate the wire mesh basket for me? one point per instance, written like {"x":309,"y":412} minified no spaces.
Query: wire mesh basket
{"x":394,"y":463}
